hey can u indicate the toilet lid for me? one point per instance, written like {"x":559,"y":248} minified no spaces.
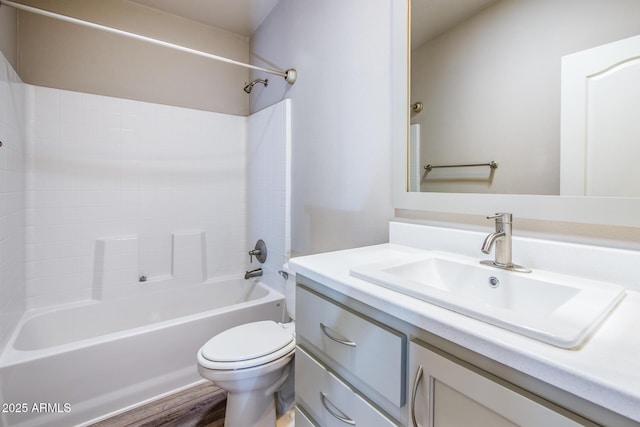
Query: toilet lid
{"x":246,"y":342}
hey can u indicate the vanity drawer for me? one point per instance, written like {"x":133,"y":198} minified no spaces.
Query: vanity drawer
{"x":373,"y":353}
{"x":330,"y":401}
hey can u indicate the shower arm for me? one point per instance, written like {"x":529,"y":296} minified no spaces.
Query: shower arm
{"x":289,"y":75}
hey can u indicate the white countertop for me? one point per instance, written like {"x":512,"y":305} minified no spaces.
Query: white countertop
{"x":605,"y":370}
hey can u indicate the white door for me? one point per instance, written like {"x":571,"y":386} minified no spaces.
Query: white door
{"x":600,"y":129}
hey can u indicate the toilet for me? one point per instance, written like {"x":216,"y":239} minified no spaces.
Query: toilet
{"x":251,"y":362}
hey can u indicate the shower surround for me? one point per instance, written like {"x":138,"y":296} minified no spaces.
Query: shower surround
{"x":103,"y":169}
{"x":98,"y":192}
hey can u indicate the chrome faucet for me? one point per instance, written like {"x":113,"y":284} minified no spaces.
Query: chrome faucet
{"x":501,"y":239}
{"x":256,"y":272}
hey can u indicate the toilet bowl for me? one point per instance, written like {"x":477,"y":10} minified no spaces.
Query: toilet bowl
{"x":251,"y":362}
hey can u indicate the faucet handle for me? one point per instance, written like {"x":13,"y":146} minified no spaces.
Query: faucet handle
{"x":503,"y":217}
{"x":260,"y":252}
{"x":253,"y":252}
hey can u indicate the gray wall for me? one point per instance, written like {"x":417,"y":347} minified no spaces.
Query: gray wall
{"x":341,"y":115}
{"x":68,"y":56}
{"x":8,"y":35}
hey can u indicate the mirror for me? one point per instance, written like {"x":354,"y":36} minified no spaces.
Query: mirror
{"x":617,"y":211}
{"x":486,"y":87}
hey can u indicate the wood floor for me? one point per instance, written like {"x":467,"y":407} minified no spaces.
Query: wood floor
{"x":199,"y":406}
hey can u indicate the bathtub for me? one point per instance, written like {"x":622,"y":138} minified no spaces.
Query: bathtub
{"x":74,"y":365}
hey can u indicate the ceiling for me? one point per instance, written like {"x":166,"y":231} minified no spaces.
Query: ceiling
{"x":238,"y":16}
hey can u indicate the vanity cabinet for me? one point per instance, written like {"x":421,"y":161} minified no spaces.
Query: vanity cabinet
{"x":356,"y":365}
{"x":448,"y":392}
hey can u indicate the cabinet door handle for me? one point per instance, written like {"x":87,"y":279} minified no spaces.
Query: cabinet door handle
{"x":334,"y":411}
{"x":414,"y":393}
{"x":326,"y":329}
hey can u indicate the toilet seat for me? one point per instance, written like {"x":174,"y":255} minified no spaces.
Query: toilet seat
{"x":247,"y":346}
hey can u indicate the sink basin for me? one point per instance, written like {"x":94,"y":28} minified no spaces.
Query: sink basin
{"x":557,"y":309}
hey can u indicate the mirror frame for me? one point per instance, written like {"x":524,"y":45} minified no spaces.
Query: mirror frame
{"x":616,"y":211}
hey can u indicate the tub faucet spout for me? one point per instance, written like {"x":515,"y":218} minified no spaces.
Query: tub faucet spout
{"x":257,"y":272}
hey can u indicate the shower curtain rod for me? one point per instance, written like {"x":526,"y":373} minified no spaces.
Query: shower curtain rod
{"x":289,"y":75}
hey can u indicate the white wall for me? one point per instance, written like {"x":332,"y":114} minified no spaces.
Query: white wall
{"x":12,"y":198}
{"x":101,"y":167}
{"x":341,"y":132}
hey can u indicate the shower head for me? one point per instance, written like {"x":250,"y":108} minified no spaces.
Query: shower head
{"x":250,"y":86}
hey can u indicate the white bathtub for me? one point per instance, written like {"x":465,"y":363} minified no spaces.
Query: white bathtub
{"x":69,"y":366}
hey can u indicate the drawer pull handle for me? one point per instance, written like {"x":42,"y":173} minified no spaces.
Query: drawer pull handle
{"x":334,"y":411}
{"x":326,"y":329}
{"x":414,"y":392}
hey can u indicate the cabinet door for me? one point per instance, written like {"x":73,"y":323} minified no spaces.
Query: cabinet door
{"x":445,"y":394}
